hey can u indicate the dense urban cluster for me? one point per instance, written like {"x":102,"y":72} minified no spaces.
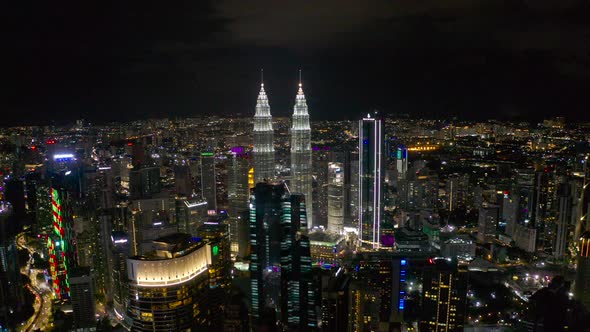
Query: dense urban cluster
{"x":259,"y":223}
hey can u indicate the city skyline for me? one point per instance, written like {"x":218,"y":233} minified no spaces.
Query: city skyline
{"x":295,"y":166}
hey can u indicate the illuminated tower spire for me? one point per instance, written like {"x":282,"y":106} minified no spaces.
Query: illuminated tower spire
{"x":301,"y":180}
{"x":264,"y":151}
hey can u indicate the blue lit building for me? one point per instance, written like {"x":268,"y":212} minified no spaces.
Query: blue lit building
{"x":378,"y":292}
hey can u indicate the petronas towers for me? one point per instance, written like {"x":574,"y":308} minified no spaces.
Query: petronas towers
{"x":264,"y":160}
{"x":264,"y":149}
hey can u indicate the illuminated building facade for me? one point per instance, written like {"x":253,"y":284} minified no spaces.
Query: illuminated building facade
{"x":264,"y":150}
{"x":444,"y":297}
{"x":377,"y":292}
{"x":280,"y":264}
{"x":301,"y":180}
{"x":61,"y":244}
{"x":370,"y":193}
{"x":168,"y":288}
{"x":190,"y":214}
{"x":238,"y":193}
{"x":336,"y":198}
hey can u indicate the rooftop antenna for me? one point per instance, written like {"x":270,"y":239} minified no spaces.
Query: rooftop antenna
{"x":261,"y":77}
{"x":299,"y":77}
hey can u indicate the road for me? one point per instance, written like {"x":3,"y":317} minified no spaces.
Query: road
{"x":41,"y":290}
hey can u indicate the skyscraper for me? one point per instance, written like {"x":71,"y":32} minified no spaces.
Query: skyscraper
{"x":370,"y":180}
{"x":238,"y":193}
{"x":61,"y":244}
{"x":208,"y":180}
{"x":301,"y":180}
{"x":564,"y":218}
{"x":444,"y":296}
{"x":336,"y":197}
{"x":297,"y":286}
{"x":377,"y":292}
{"x":264,"y":150}
{"x":488,"y":223}
{"x":11,"y":289}
{"x":168,"y":288}
{"x":83,"y":298}
{"x":280,"y":267}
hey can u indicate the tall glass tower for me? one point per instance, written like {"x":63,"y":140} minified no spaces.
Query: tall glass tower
{"x":264,"y":151}
{"x":282,"y":288}
{"x":301,"y":179}
{"x":370,"y":180}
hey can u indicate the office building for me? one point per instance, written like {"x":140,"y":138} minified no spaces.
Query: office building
{"x":144,"y":182}
{"x":168,"y":287}
{"x":301,"y":180}
{"x":82,"y":295}
{"x":264,"y":150}
{"x":370,"y":176}
{"x":488,"y":223}
{"x":377,"y":292}
{"x":61,"y":243}
{"x":238,"y":193}
{"x":12,"y":300}
{"x":280,"y":267}
{"x":209,"y":180}
{"x":444,"y":293}
{"x":190,"y":214}
{"x":183,"y":183}
{"x":336,"y":198}
{"x":564,"y":220}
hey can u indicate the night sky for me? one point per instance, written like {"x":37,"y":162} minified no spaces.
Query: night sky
{"x":123,"y":60}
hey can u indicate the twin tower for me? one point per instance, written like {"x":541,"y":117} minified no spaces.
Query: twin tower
{"x":264,"y":151}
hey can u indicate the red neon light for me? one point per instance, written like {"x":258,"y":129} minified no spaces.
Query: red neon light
{"x":129,"y":143}
{"x":50,"y":141}
{"x":33,"y":147}
{"x":430,"y":261}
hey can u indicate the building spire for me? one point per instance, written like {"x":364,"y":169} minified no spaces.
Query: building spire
{"x":262,"y":77}
{"x":300,"y":78}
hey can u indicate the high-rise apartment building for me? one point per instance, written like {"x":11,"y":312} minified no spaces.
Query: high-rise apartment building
{"x":370,"y":192}
{"x":301,"y":180}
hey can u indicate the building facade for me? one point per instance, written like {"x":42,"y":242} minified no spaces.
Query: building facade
{"x":370,"y":193}
{"x":264,"y":150}
{"x":301,"y":180}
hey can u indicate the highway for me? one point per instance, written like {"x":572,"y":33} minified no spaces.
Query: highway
{"x":41,"y":290}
